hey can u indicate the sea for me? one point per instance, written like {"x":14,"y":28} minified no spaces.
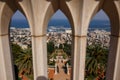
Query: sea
{"x":94,"y":24}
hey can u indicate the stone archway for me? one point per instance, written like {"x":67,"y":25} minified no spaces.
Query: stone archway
{"x":6,"y":68}
{"x":98,"y":42}
{"x":113,"y":58}
{"x":78,"y":12}
{"x":52,"y":8}
{"x":110,"y":9}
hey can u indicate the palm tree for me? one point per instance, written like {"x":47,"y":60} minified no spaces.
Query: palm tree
{"x":16,"y":50}
{"x":24,"y":62}
{"x":96,"y":60}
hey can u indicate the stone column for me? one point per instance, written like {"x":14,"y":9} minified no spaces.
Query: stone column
{"x":78,"y":57}
{"x":113,"y":67}
{"x":39,"y":50}
{"x":6,"y":68}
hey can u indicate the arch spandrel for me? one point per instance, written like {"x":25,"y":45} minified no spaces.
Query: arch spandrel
{"x":66,"y":10}
{"x":5,"y":16}
{"x":82,"y":11}
{"x":52,"y":8}
{"x":89,"y":10}
{"x":75,"y":9}
{"x":26,"y":8}
{"x":117,"y":5}
{"x":35,"y":13}
{"x":111,"y":10}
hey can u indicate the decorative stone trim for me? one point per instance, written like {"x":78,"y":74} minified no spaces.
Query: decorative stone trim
{"x":114,"y":35}
{"x":3,"y":34}
{"x":38,"y":35}
{"x":79,"y":36}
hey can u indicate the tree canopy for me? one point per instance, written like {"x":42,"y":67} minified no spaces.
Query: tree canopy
{"x":96,"y":61}
{"x":50,"y":47}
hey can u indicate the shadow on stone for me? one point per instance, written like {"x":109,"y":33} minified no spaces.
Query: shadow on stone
{"x":16,"y":72}
{"x":42,"y":78}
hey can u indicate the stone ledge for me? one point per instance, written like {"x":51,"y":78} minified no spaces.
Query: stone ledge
{"x":114,"y":36}
{"x":38,"y":35}
{"x":79,"y":36}
{"x":3,"y":34}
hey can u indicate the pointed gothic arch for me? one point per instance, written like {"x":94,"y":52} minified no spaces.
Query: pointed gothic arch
{"x":25,"y":7}
{"x":51,"y":10}
{"x":5,"y":15}
{"x":111,"y":11}
{"x":113,"y":57}
{"x":111,"y":7}
{"x":7,"y":11}
{"x":98,"y":40}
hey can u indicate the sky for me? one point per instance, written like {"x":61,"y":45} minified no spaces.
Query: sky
{"x":59,"y":15}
